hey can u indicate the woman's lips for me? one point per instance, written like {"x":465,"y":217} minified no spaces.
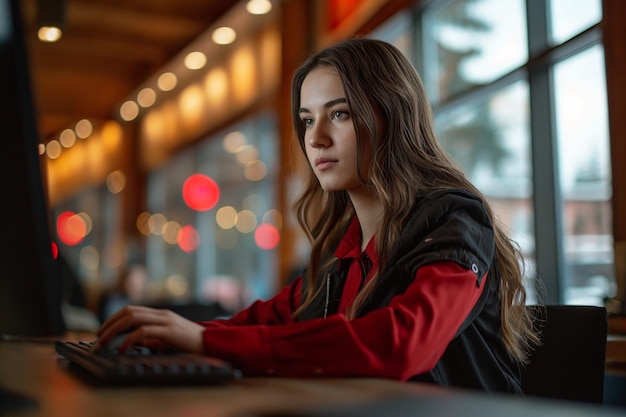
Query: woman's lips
{"x":322,"y":164}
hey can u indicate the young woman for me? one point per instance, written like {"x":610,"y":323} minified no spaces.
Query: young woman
{"x":409,"y":276}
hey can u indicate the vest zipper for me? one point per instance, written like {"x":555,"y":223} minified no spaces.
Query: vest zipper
{"x":327,"y":296}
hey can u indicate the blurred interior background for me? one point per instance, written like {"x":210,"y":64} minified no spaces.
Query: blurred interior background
{"x":171,"y":165}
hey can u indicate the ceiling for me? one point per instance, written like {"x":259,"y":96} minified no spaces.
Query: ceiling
{"x":108,"y":48}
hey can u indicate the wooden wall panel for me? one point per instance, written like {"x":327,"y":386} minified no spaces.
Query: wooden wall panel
{"x":614,"y":33}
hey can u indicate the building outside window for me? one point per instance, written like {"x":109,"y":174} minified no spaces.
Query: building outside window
{"x":519,"y":96}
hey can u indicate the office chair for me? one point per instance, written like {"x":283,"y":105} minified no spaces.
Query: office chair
{"x":570,"y":362}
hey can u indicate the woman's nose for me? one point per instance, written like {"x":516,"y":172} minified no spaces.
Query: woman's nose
{"x":318,"y":136}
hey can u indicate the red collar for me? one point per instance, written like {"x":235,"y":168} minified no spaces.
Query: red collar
{"x":350,"y":245}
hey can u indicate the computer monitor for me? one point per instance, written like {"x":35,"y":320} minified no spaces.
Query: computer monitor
{"x":30,"y":283}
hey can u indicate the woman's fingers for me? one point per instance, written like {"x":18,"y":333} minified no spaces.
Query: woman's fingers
{"x":171,"y":330}
{"x":127,"y":319}
{"x":115,"y":318}
{"x":144,"y":323}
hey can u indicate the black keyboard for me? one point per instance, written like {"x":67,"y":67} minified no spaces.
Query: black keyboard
{"x":142,"y":366}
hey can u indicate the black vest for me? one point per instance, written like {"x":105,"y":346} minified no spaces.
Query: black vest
{"x":445,"y":226}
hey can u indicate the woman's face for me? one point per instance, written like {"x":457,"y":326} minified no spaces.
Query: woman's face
{"x":330,"y":138}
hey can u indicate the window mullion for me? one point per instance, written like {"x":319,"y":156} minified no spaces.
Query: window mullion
{"x":546,"y":190}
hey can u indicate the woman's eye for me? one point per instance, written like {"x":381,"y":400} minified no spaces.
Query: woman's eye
{"x":339,"y":114}
{"x":307,"y":121}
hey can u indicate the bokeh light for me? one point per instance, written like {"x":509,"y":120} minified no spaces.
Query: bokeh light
{"x":49,"y":33}
{"x":200,"y":192}
{"x":273,"y":216}
{"x":146,"y":97}
{"x":170,"y":232}
{"x":90,"y":258}
{"x":116,"y":181}
{"x":67,"y":138}
{"x":129,"y":110}
{"x":84,"y":129}
{"x":226,"y":217}
{"x":195,"y":60}
{"x":233,"y":141}
{"x":53,"y":149}
{"x":266,"y":236}
{"x":246,"y":154}
{"x":259,"y":7}
{"x":246,"y":221}
{"x":55,"y":250}
{"x":224,"y":35}
{"x":255,"y":170}
{"x":177,"y":285}
{"x":156,"y":223}
{"x":167,"y":81}
{"x":88,"y":222}
{"x":143,"y":223}
{"x":188,"y":238}
{"x":71,"y":228}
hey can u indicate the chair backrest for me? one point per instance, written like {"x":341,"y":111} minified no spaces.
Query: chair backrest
{"x":570,"y":362}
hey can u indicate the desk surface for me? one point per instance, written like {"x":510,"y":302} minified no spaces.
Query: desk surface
{"x":33,"y":369}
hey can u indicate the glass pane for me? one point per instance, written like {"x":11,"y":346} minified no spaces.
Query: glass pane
{"x":570,"y":17}
{"x":398,"y":31}
{"x":239,"y":269}
{"x":234,"y":261}
{"x":88,"y":230}
{"x":585,"y":176}
{"x":490,"y":139}
{"x":167,"y":264}
{"x":472,"y":42}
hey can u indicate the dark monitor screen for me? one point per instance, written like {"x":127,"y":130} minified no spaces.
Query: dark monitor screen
{"x":30,"y":284}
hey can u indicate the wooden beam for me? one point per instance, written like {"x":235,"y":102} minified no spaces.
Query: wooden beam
{"x":614,"y":33}
{"x":76,"y":51}
{"x":125,"y":23}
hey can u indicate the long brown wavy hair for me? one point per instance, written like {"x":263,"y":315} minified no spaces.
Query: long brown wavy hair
{"x":392,"y":118}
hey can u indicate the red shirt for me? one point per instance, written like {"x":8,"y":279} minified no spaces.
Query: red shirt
{"x":398,"y":341}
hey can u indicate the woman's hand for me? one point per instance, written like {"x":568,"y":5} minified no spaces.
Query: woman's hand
{"x":152,"y":328}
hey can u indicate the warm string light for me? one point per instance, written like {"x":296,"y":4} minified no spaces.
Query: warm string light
{"x":49,"y":34}
{"x":67,"y":138}
{"x":259,"y":7}
{"x":266,"y":234}
{"x":50,"y":19}
{"x":193,"y":61}
{"x":224,"y":35}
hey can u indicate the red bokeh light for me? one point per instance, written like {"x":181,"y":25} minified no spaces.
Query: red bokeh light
{"x":188,"y":238}
{"x":266,"y":236}
{"x":71,"y":228}
{"x":200,"y":192}
{"x":55,"y":250}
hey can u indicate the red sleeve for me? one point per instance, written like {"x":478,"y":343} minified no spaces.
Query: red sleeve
{"x":277,"y":310}
{"x":399,"y":341}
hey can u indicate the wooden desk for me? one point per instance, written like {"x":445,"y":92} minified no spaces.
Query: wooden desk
{"x":33,"y":369}
{"x":616,"y":353}
{"x":616,"y":345}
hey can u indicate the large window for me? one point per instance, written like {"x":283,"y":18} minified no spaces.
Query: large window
{"x":472,"y":54}
{"x":584,"y":175}
{"x":224,"y":250}
{"x":209,"y":234}
{"x":471,"y":43}
{"x":520,"y":102}
{"x":88,"y":232}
